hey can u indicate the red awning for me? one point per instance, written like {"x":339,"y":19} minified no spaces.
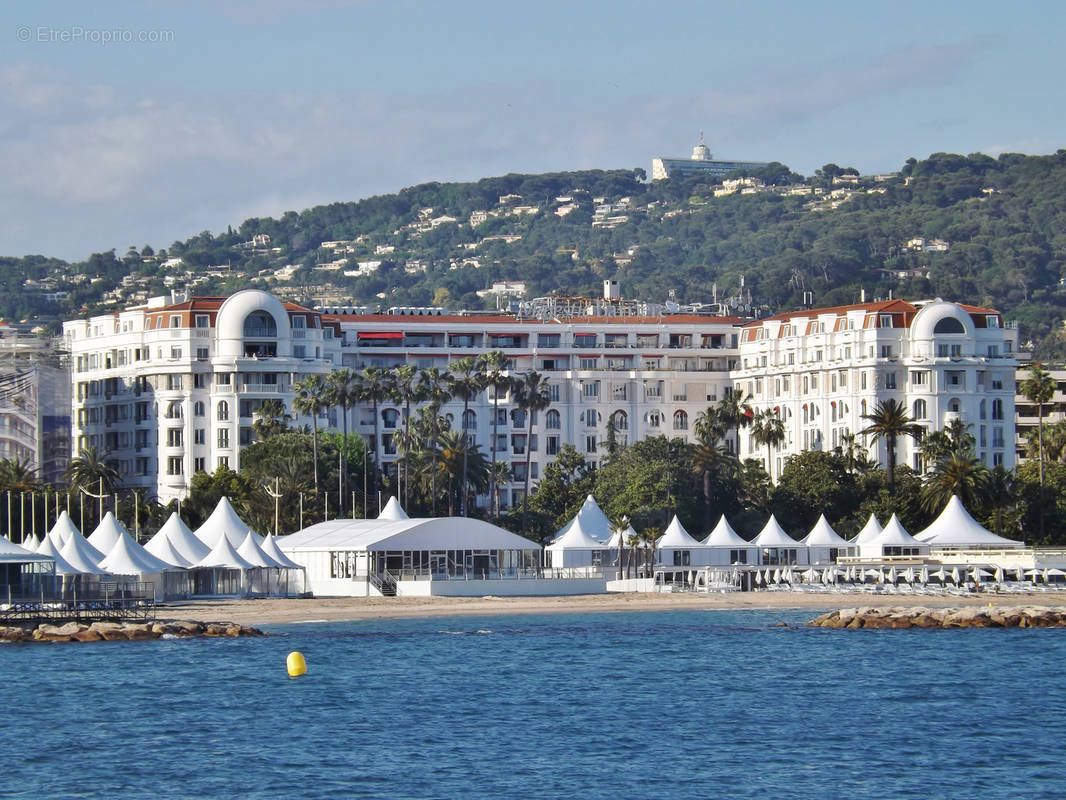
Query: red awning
{"x":653,"y":355}
{"x":380,"y":335}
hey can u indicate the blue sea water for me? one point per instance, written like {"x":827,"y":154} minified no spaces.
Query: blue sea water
{"x":684,"y":704}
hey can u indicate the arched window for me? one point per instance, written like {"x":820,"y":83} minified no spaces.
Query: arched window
{"x":919,"y":411}
{"x":552,"y":420}
{"x":590,"y":418}
{"x":680,"y":421}
{"x":174,"y":410}
{"x":806,"y":414}
{"x":654,"y":419}
{"x":954,"y":406}
{"x":390,"y":417}
{"x":621,"y":421}
{"x":222,"y":411}
{"x":470,"y":420}
{"x":198,"y":409}
{"x":949,"y":325}
{"x":260,"y":323}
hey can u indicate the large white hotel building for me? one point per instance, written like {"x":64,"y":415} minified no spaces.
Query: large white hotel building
{"x":168,"y":389}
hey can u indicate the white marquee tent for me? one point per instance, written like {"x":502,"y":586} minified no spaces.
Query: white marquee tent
{"x":727,"y":547}
{"x":576,"y":547}
{"x":593,"y":520}
{"x":223,"y":522}
{"x":671,"y":548}
{"x":823,"y":543}
{"x":176,"y":544}
{"x":870,"y":531}
{"x":956,"y":528}
{"x":776,"y":546}
{"x":892,"y":541}
{"x":107,"y":533}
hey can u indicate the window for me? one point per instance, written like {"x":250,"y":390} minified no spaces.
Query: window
{"x":553,"y":392}
{"x":547,"y":340}
{"x":590,"y":390}
{"x":919,"y":410}
{"x":590,"y":443}
{"x":199,"y":436}
{"x":175,"y":465}
{"x":174,"y":410}
{"x":174,"y":437}
{"x":886,"y":351}
{"x":199,"y":381}
{"x":949,"y":325}
{"x":198,"y":408}
{"x":997,"y":409}
{"x":175,"y":353}
{"x":682,"y":558}
{"x":221,"y":379}
{"x":174,"y":382}
{"x":587,"y":363}
{"x":223,"y":461}
{"x":469,"y":420}
{"x":552,"y":445}
{"x":552,"y":420}
{"x":919,"y":377}
{"x":680,"y":421}
{"x":621,"y":421}
{"x":518,"y":444}
{"x":890,"y":380}
{"x":223,"y":437}
{"x":175,"y":322}
{"x":202,"y":320}
{"x":199,"y":464}
{"x":654,"y":419}
{"x":223,"y":411}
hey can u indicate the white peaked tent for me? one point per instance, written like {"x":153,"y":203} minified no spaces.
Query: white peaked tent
{"x":270,"y":547}
{"x":76,"y":564}
{"x":129,"y":558}
{"x":393,"y":510}
{"x":176,"y":544}
{"x":251,"y":552}
{"x":47,"y":549}
{"x":593,"y":520}
{"x":956,"y":528}
{"x":223,"y":523}
{"x":870,"y":531}
{"x":11,"y":553}
{"x":671,"y":546}
{"x":107,"y":533}
{"x":83,"y":556}
{"x":222,"y":571}
{"x":576,"y":548}
{"x":894,"y":535}
{"x":821,"y":541}
{"x":726,"y":546}
{"x":772,"y":539}
{"x":31,"y":543}
{"x":63,"y":529}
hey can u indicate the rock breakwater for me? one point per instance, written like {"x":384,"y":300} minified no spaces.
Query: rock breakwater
{"x":123,"y":631}
{"x":957,"y":617}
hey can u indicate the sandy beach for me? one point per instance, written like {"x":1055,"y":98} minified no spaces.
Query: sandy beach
{"x":273,"y":611}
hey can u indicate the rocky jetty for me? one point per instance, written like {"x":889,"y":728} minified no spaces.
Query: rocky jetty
{"x":123,"y":631}
{"x":957,"y":617}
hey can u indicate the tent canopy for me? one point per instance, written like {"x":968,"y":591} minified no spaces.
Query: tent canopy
{"x":11,"y":553}
{"x":723,"y":535}
{"x":175,"y":539}
{"x":81,"y":555}
{"x":62,"y":529}
{"x":956,"y":528}
{"x":823,"y":535}
{"x":225,"y":556}
{"x":895,"y":535}
{"x":773,"y":535}
{"x":270,"y":547}
{"x":576,"y":537}
{"x":438,"y":533}
{"x":129,"y":558}
{"x":870,"y":531}
{"x":223,"y":522}
{"x":107,"y":533}
{"x":593,"y":520}
{"x":393,"y":510}
{"x":251,"y":552}
{"x":676,"y":537}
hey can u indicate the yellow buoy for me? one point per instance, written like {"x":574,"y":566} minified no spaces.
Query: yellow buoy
{"x":295,"y":664}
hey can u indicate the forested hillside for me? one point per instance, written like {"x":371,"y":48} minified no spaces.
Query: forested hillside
{"x":983,"y":230}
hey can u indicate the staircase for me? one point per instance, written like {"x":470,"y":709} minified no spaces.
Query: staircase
{"x":384,"y":583}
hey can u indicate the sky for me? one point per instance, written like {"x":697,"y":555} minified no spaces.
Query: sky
{"x":133,"y":123}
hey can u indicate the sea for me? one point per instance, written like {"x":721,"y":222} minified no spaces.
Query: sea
{"x":679,"y":704}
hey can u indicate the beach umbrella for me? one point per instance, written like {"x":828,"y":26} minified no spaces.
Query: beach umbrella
{"x":923,"y":576}
{"x":940,"y":575}
{"x":1018,"y":573}
{"x":955,"y":575}
{"x":892,"y":577}
{"x":758,"y":577}
{"x":977,"y":573}
{"x":908,"y":575}
{"x":999,"y":574}
{"x":1033,"y":574}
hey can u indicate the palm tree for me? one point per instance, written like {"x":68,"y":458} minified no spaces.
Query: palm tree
{"x":768,"y":429}
{"x":962,"y":476}
{"x":999,"y":493}
{"x":89,"y":472}
{"x":344,"y":389}
{"x":433,"y":384}
{"x":531,"y":396}
{"x":495,"y":363}
{"x":852,"y":452}
{"x":468,"y":379}
{"x":270,"y":419}
{"x":889,"y":421}
{"x":18,"y":476}
{"x":499,"y":473}
{"x":1039,"y":388}
{"x":310,"y":398}
{"x":734,"y":412}
{"x":376,"y":383}
{"x":954,"y":439}
{"x":404,"y":389}
{"x":464,"y":466}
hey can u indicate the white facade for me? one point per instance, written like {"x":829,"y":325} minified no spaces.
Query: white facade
{"x":823,"y":369}
{"x":168,"y":389}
